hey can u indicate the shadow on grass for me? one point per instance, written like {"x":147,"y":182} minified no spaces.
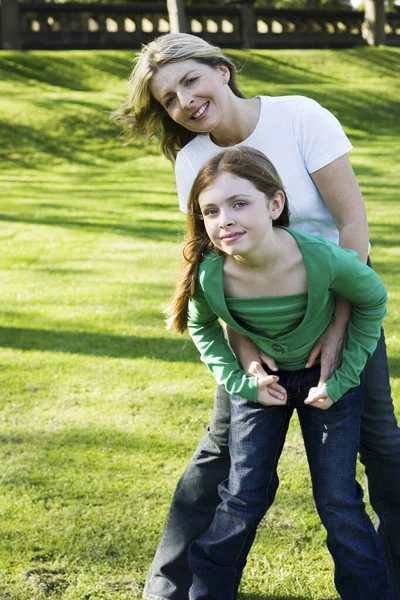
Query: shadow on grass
{"x":155,"y":229}
{"x":257,"y":66}
{"x":88,"y":143}
{"x":97,"y":344}
{"x":383,"y":62}
{"x":75,"y":443}
{"x":75,"y":71}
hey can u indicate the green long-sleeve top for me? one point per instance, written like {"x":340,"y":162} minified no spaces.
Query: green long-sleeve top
{"x":330,"y":270}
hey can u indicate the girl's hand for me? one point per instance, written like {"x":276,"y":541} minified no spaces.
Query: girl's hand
{"x":251,"y":360}
{"x":318,"y":397}
{"x":269,"y":384}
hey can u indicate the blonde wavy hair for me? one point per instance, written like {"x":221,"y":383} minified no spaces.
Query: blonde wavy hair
{"x":141,"y":114}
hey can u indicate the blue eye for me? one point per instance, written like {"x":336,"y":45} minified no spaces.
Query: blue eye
{"x":210,"y":212}
{"x":240,"y":204}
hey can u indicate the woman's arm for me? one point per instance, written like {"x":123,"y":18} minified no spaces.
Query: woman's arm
{"x":339,"y":188}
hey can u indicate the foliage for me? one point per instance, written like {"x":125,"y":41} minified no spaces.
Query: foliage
{"x":101,"y":407}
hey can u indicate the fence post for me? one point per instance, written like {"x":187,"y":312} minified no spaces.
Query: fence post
{"x":248,"y":21}
{"x":177,"y":17}
{"x":10,"y":29}
{"x":373,"y":29}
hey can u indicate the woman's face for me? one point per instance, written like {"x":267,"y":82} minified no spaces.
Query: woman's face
{"x":193,"y":94}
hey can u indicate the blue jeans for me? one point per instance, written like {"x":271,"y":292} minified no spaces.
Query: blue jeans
{"x":196,"y":497}
{"x":256,"y":438}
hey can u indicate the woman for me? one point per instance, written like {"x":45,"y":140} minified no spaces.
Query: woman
{"x":186,"y":88}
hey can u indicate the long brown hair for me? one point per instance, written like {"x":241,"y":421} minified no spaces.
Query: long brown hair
{"x":246,"y":163}
{"x":141,"y":114}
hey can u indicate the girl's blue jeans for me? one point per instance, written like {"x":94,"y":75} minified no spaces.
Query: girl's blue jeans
{"x":256,"y":438}
{"x":196,"y":496}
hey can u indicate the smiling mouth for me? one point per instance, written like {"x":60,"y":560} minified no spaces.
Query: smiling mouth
{"x":231,"y":237}
{"x":200,"y":112}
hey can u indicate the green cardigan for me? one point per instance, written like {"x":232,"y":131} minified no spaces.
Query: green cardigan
{"x":330,"y":270}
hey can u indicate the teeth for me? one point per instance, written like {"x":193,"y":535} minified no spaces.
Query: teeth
{"x":200,"y":111}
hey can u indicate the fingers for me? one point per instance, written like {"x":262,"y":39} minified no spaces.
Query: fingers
{"x":267,"y":380}
{"x":322,"y":404}
{"x":277,"y":391}
{"x":318,"y":397}
{"x":314,"y":401}
{"x":271,"y":364}
{"x":256,"y":369}
{"x":270,"y":393}
{"x":271,"y":401}
{"x":312,"y":357}
{"x":316,"y":394}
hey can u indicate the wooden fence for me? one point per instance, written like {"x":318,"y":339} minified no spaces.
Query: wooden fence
{"x":33,"y":25}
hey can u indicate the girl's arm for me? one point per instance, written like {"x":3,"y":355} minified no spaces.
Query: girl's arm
{"x":210,"y":340}
{"x":251,"y":359}
{"x":364,"y":289}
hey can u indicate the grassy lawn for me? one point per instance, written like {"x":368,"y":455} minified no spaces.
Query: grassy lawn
{"x":100,"y":407}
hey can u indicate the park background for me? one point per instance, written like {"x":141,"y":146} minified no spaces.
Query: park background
{"x":101,"y":408}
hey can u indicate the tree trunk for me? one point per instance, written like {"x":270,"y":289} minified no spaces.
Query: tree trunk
{"x":374,"y":22}
{"x":176,"y":14}
{"x":10,"y":32}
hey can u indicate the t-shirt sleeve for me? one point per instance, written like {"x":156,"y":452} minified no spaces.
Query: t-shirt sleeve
{"x":319,"y":134}
{"x":185,"y":174}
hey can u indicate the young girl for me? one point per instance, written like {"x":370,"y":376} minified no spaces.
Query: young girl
{"x":277,"y":286}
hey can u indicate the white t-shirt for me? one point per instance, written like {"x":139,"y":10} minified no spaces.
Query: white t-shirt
{"x":299,"y":137}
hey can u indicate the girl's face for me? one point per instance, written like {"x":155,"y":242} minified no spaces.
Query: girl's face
{"x":193,"y":94}
{"x":237,"y":216}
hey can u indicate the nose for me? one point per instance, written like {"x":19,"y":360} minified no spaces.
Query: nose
{"x":186,"y":99}
{"x":226,"y":219}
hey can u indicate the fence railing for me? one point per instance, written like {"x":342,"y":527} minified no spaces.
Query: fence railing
{"x":33,"y":25}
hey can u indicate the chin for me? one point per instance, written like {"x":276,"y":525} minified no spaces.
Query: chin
{"x":230,"y":251}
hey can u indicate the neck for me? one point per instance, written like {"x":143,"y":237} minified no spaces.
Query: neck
{"x":239,"y":122}
{"x":265,"y":257}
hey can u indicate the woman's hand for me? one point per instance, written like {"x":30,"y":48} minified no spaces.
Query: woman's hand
{"x":331,"y":343}
{"x":251,"y":359}
{"x":266,"y":385}
{"x":318,"y":397}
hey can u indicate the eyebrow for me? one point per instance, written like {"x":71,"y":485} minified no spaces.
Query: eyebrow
{"x":164,"y":95}
{"x":233,"y":197}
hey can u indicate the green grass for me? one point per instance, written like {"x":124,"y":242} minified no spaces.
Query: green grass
{"x":100,"y":407}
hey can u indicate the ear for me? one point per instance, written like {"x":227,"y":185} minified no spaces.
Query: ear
{"x":226,"y":74}
{"x":277,"y":204}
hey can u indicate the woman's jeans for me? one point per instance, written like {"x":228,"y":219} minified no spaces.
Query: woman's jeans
{"x":196,"y":496}
{"x":256,"y":438}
